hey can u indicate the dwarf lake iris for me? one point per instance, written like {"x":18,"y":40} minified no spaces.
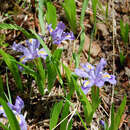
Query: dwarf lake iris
{"x":19,"y":104}
{"x":58,"y":35}
{"x":94,"y":76}
{"x":31,"y":52}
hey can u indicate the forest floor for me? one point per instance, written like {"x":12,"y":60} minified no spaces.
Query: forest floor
{"x":107,"y":43}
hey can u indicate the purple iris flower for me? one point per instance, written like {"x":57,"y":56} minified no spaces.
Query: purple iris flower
{"x":94,"y":76}
{"x":58,"y":34}
{"x":31,"y":52}
{"x":19,"y":104}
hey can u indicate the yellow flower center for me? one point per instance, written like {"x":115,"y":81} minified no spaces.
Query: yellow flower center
{"x":30,"y":40}
{"x":21,"y":59}
{"x":86,"y":83}
{"x":68,"y":36}
{"x":18,"y":118}
{"x":106,"y":76}
{"x":41,"y":52}
{"x":51,"y":30}
{"x":1,"y":108}
{"x":89,"y":66}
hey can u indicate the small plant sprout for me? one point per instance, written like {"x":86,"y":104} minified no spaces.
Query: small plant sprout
{"x":19,"y":104}
{"x":94,"y":76}
{"x":58,"y":35}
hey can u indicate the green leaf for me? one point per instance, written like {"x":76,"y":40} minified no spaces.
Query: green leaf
{"x":40,"y":75}
{"x":27,"y":69}
{"x":55,"y":114}
{"x":95,"y":98}
{"x":124,"y":31}
{"x":11,"y":117}
{"x":15,"y":27}
{"x":3,"y":126}
{"x":2,"y":89}
{"x":70,"y":11}
{"x":13,"y":68}
{"x":52,"y":73}
{"x":51,"y":15}
{"x":57,"y":55}
{"x":122,"y":58}
{"x":52,"y":68}
{"x":41,"y":15}
{"x":119,"y":113}
{"x":94,"y":7}
{"x":84,"y":6}
{"x":76,"y":59}
{"x":65,"y":112}
{"x":112,"y":118}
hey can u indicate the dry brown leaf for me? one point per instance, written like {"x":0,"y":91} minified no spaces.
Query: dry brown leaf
{"x":95,"y":48}
{"x":102,"y":27}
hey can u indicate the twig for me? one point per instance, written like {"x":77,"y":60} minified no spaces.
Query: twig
{"x":113,"y":42}
{"x":71,"y":118}
{"x":62,"y":120}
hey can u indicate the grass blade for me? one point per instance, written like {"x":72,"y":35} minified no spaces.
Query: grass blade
{"x":120,"y":113}
{"x":55,"y":114}
{"x":3,"y":126}
{"x":41,"y":15}
{"x":15,"y":27}
{"x":70,"y":11}
{"x":51,"y":15}
{"x":11,"y":117}
{"x":13,"y":68}
{"x":40,"y":75}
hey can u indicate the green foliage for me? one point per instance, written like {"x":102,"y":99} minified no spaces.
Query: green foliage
{"x":122,"y":58}
{"x":70,"y":11}
{"x":94,"y":7}
{"x":55,"y":114}
{"x":82,"y":36}
{"x":124,"y":31}
{"x":66,"y":110}
{"x":116,"y":118}
{"x":3,"y":126}
{"x":27,"y":69}
{"x":2,"y":39}
{"x":11,"y":117}
{"x":84,"y":6}
{"x":95,"y":98}
{"x":41,"y":15}
{"x":15,"y":27}
{"x":40,"y":78}
{"x":52,"y":67}
{"x":51,"y":15}
{"x":13,"y":68}
{"x":112,"y":118}
{"x":119,"y":113}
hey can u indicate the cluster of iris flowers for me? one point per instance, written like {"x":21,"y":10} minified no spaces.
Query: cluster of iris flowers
{"x":58,"y":35}
{"x":94,"y":76}
{"x":19,"y":105}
